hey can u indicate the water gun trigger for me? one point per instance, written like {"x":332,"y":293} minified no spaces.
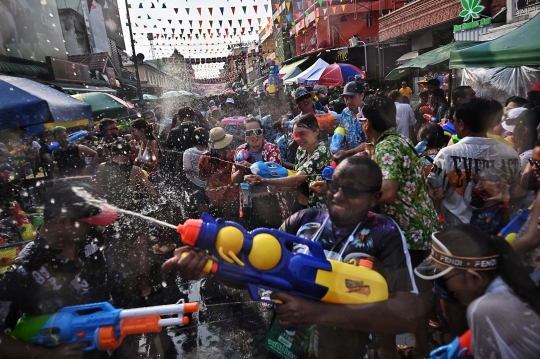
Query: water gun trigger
{"x":253,"y":291}
{"x":230,"y":257}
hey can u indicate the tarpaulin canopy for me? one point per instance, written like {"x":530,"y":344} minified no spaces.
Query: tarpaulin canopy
{"x":25,"y":103}
{"x":520,"y":47}
{"x":105,"y":105}
{"x":429,"y":58}
{"x":291,"y":69}
{"x":313,"y":69}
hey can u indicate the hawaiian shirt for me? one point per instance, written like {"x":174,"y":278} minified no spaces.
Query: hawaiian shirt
{"x":270,"y":133}
{"x":413,"y":209}
{"x":217,"y":174}
{"x":270,"y":153}
{"x":283,"y":143}
{"x":353,"y":129}
{"x":312,"y":165}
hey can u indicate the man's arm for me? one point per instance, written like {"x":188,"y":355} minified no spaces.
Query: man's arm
{"x":88,"y":152}
{"x":12,"y":348}
{"x":393,"y":316}
{"x":341,"y":155}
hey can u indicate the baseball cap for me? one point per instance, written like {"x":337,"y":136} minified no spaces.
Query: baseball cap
{"x":509,"y":124}
{"x":75,"y":200}
{"x":529,"y":118}
{"x":301,"y":92}
{"x":352,"y":88}
{"x":230,"y":100}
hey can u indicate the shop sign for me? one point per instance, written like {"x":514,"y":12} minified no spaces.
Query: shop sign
{"x":67,"y":71}
{"x":342,"y":55}
{"x":471,"y":11}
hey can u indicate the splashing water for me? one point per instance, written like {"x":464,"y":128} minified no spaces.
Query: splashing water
{"x":81,"y":192}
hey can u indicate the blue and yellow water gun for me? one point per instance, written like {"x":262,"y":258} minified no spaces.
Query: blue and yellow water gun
{"x":337,"y":140}
{"x":270,"y":170}
{"x":510,"y":231}
{"x":100,"y":325}
{"x":261,"y":258}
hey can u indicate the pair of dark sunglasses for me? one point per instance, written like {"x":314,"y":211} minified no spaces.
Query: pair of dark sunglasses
{"x":349,"y":192}
{"x":534,"y":163}
{"x":254,"y":133}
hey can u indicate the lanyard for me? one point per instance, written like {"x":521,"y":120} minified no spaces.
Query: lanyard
{"x":349,"y":239}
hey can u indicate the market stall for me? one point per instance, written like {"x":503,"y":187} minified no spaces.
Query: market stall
{"x":310,"y":73}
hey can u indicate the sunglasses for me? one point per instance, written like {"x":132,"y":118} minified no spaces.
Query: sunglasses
{"x":441,"y":281}
{"x":349,"y":192}
{"x":254,"y":133}
{"x":299,"y":135}
{"x":534,"y":163}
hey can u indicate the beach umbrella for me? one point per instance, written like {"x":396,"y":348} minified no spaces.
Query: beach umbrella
{"x":105,"y":105}
{"x":338,"y":74}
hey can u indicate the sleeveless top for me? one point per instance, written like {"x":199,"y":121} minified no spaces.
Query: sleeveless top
{"x":69,"y":161}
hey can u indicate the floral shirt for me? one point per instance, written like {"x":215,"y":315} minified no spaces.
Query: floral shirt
{"x":353,"y":129}
{"x":270,"y":133}
{"x":270,"y":153}
{"x":217,"y":174}
{"x":312,"y":165}
{"x":283,"y":143}
{"x":413,"y":209}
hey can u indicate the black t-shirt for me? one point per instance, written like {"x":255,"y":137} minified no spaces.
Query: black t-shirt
{"x":69,"y":161}
{"x":378,"y":237}
{"x":42,"y":281}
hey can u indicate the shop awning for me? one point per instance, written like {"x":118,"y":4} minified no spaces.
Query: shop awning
{"x":291,"y":67}
{"x":429,"y":58}
{"x":408,"y":56}
{"x":76,"y":88}
{"x":520,"y":47}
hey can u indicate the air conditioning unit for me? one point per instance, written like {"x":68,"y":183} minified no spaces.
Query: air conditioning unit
{"x":353,"y":41}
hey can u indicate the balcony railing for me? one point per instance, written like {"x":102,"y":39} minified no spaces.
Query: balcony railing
{"x":417,"y":15}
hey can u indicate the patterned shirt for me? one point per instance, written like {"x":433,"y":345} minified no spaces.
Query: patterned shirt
{"x":353,"y":129}
{"x":217,"y":173}
{"x":413,"y":209}
{"x":270,"y":133}
{"x":283,"y":143}
{"x":270,"y":153}
{"x":312,"y":165}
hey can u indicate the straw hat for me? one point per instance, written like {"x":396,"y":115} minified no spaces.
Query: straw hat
{"x":218,"y":138}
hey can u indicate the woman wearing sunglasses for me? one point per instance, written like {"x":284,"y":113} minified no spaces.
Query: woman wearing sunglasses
{"x":265,"y":205}
{"x":311,"y":158}
{"x":485,"y":274}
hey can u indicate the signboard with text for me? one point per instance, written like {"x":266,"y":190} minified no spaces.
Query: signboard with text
{"x":67,"y":71}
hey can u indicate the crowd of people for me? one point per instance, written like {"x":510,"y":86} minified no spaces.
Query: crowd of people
{"x":422,"y":191}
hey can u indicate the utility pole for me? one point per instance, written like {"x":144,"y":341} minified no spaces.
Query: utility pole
{"x":135,"y":61}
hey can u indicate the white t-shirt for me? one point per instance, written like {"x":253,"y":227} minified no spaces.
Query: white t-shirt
{"x":191,"y":166}
{"x":475,"y":173}
{"x":502,"y":325}
{"x":404,"y":118}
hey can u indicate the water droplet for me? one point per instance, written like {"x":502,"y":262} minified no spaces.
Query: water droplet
{"x":11,"y":89}
{"x":77,"y":224}
{"x":52,"y":200}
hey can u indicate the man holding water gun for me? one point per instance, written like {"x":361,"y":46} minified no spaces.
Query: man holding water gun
{"x":60,"y":268}
{"x":348,"y":231}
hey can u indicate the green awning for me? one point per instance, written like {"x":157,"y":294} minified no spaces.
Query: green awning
{"x":520,"y":47}
{"x":25,"y":70}
{"x":290,"y":67}
{"x":429,"y":58}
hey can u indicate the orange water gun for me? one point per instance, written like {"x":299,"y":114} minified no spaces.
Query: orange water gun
{"x":327,"y":121}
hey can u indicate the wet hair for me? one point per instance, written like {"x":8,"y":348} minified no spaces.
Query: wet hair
{"x":529,"y":119}
{"x":440,"y":94}
{"x":121,"y":148}
{"x":520,"y":101}
{"x":394,"y":95}
{"x":459,"y":92}
{"x":106,"y":122}
{"x":148,"y":113}
{"x":371,"y":178}
{"x":63,"y":201}
{"x":471,"y":241}
{"x":434,"y":82}
{"x":380,"y":112}
{"x":308,"y":121}
{"x":450,"y":113}
{"x":534,"y":97}
{"x":144,"y":126}
{"x":186,"y":112}
{"x":424,"y":94}
{"x":495,"y":113}
{"x":200,"y":136}
{"x":473,"y":112}
{"x":433,"y":134}
{"x":250,"y":119}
